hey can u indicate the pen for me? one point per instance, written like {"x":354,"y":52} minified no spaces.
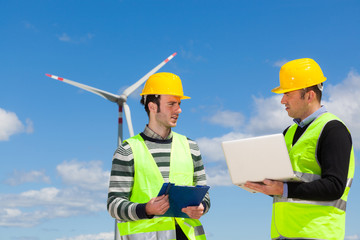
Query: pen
{"x":167,"y":189}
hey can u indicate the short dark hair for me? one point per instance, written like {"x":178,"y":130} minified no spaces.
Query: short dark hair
{"x":314,"y":88}
{"x":146,"y":99}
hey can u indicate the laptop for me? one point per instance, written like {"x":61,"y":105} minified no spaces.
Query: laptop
{"x":258,"y":158}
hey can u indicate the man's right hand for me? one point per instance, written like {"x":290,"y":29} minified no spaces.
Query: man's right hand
{"x":157,"y":205}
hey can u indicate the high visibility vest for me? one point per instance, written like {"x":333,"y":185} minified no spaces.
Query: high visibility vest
{"x":147,"y":184}
{"x":302,"y":219}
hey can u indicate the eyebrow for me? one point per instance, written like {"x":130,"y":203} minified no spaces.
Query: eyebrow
{"x":171,"y":102}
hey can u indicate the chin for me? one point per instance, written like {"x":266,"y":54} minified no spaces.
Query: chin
{"x":289,"y":114}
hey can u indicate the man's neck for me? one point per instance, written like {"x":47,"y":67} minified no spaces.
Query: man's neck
{"x":161,"y":131}
{"x":303,"y":122}
{"x":313,"y":108}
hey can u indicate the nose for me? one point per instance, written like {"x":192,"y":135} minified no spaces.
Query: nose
{"x":178,"y":110}
{"x":283,"y":99}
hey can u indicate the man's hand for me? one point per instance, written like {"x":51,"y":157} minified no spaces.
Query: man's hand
{"x":157,"y":205}
{"x":269,"y":187}
{"x":194,"y":212}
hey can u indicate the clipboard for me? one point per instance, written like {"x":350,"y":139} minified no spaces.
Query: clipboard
{"x":181,"y":197}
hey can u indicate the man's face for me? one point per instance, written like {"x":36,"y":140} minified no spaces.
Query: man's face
{"x":296,"y":106}
{"x":169,"y":111}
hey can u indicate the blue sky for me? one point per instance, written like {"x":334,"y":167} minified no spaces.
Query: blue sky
{"x":57,"y":141}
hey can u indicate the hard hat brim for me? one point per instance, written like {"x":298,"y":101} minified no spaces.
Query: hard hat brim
{"x":184,"y":97}
{"x":181,"y":97}
{"x":280,"y":90}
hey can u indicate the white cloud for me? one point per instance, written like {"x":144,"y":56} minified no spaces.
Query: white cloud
{"x":218,"y":177}
{"x":99,"y":236}
{"x":269,"y":116}
{"x":353,"y":237}
{"x":34,"y":206}
{"x":228,"y":119}
{"x":188,"y":51}
{"x":20,"y":177}
{"x":66,"y":38}
{"x":12,"y":217}
{"x":85,"y":193}
{"x":29,"y":126}
{"x":191,"y":56}
{"x":87,"y":175}
{"x":344,"y":102}
{"x":44,"y":195}
{"x":10,"y":125}
{"x":212,"y":154}
{"x":279,"y":63}
{"x":211,"y":147}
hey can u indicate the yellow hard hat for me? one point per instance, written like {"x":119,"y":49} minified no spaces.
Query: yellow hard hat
{"x":299,"y":74}
{"x":164,"y":84}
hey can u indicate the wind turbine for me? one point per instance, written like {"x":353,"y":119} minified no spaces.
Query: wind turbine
{"x":120,"y":100}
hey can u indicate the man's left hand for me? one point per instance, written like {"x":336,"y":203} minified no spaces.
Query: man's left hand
{"x":268,"y":187}
{"x":194,"y":212}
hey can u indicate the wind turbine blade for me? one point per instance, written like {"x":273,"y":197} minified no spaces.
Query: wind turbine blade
{"x":104,"y":94}
{"x":128,"y":119}
{"x":133,"y":87}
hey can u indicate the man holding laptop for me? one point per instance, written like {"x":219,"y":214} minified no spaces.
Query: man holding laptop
{"x":321,"y":152}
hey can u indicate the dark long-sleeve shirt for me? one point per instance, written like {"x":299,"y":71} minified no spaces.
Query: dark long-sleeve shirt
{"x":333,"y":154}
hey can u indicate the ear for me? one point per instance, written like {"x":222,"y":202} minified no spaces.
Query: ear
{"x":152,"y":107}
{"x":311,"y":96}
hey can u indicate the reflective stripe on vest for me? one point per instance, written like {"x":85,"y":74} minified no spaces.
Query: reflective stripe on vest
{"x":147,"y":183}
{"x":302,"y":219}
{"x":155,"y":228}
{"x":164,"y":235}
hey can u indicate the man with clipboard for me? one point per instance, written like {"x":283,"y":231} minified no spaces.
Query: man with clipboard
{"x":144,"y":162}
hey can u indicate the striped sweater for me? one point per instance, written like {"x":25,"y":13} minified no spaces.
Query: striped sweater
{"x":122,"y":175}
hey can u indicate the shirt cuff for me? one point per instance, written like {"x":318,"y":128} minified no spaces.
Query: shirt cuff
{"x":141,"y":211}
{"x":285,"y":190}
{"x":205,"y":207}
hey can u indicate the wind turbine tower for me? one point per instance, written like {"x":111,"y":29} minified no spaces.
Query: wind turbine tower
{"x":120,"y":100}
